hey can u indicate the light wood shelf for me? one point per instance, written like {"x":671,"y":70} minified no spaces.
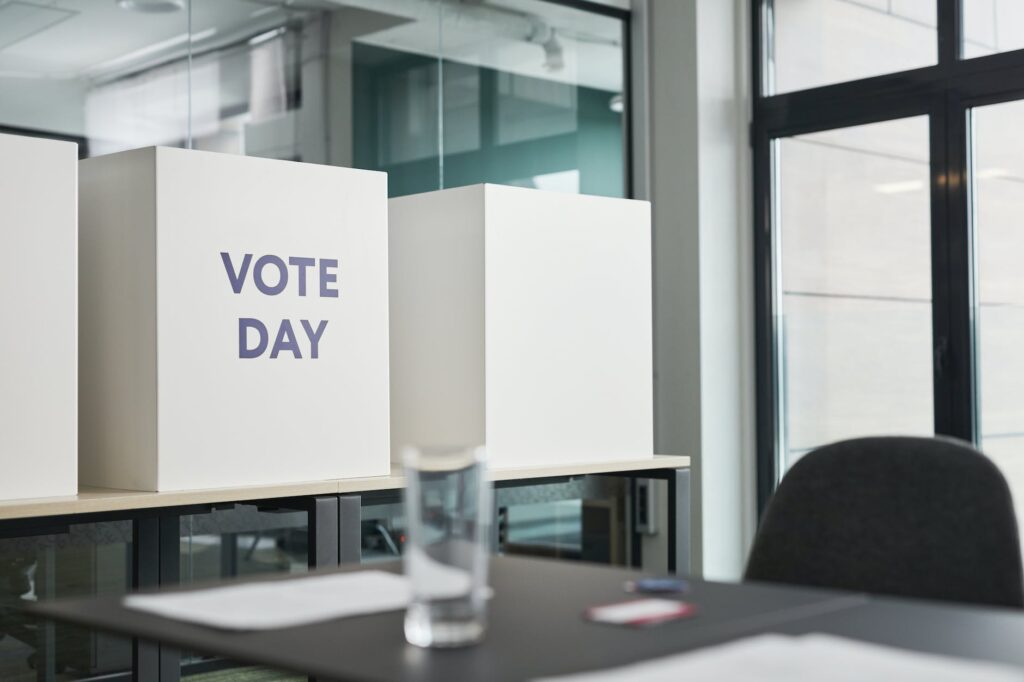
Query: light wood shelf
{"x":92,"y":500}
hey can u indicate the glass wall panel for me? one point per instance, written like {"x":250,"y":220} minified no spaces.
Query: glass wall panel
{"x":855,"y":274}
{"x":991,"y":26}
{"x":530,"y":95}
{"x":439,"y":94}
{"x":242,"y":541}
{"x":95,"y":73}
{"x":533,"y":96}
{"x":583,"y":519}
{"x":819,"y":42}
{"x":997,"y":180}
{"x":383,"y":529}
{"x":90,"y":559}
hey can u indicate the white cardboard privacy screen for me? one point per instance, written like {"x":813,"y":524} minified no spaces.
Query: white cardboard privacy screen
{"x":522,"y":319}
{"x":38,"y":306}
{"x":234,"y":321}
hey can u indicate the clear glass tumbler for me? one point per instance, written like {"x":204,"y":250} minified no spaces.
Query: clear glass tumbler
{"x":448,"y":513}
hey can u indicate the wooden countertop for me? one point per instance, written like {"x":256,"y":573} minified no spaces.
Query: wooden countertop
{"x":91,"y":500}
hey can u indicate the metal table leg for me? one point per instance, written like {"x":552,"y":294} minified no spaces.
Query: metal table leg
{"x":335,"y":530}
{"x":46,"y":650}
{"x":323,"y":531}
{"x":679,"y":521}
{"x":350,"y":529}
{"x":155,"y":548}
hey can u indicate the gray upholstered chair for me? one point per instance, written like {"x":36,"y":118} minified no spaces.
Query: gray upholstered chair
{"x":916,"y":517}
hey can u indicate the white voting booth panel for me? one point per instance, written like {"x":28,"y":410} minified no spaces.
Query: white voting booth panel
{"x":522,"y":319}
{"x":234,"y":321}
{"x":38,"y":318}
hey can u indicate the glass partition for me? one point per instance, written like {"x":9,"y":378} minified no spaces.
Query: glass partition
{"x":240,"y":541}
{"x":438,"y":94}
{"x":95,"y":73}
{"x":89,"y":559}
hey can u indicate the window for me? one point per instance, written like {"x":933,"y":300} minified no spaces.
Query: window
{"x":887,"y":231}
{"x":819,"y":42}
{"x":991,"y":26}
{"x":855,"y":283}
{"x":997,"y":181}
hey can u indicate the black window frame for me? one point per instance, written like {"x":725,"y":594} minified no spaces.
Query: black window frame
{"x":946,"y":92}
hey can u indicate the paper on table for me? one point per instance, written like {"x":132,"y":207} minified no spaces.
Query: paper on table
{"x":781,"y":658}
{"x":281,"y":603}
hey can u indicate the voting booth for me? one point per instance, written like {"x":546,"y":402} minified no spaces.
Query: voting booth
{"x":234,"y":321}
{"x":38,"y":306}
{"x":522,"y":319}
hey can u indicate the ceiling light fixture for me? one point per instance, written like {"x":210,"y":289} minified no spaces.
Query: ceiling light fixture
{"x":269,"y":35}
{"x":152,"y":6}
{"x":554,"y":57}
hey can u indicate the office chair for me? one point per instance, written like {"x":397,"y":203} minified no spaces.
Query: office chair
{"x":915,"y":517}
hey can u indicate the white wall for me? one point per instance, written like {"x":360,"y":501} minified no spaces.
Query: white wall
{"x":691,"y":103}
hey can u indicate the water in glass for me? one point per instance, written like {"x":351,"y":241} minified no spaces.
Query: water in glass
{"x":448,"y":509}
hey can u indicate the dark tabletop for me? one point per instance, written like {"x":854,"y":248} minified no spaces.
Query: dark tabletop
{"x":537,"y":629}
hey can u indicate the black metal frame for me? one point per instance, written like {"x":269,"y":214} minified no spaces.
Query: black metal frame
{"x":593,"y":8}
{"x":945,"y":92}
{"x":626,"y":17}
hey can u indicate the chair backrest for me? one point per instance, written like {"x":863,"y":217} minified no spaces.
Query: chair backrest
{"x":916,"y":517}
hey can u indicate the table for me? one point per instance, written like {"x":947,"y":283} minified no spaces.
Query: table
{"x":334,"y":523}
{"x":534,"y":599}
{"x":536,"y":628}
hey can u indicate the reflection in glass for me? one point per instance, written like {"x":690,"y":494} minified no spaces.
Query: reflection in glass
{"x":240,"y":541}
{"x":997,"y":181}
{"x":531,"y":95}
{"x":94,"y":73}
{"x":90,"y":559}
{"x":854,"y":234}
{"x":435,"y":93}
{"x":819,"y":42}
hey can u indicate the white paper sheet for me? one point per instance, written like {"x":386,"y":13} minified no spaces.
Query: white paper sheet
{"x":781,"y":658}
{"x":281,"y":603}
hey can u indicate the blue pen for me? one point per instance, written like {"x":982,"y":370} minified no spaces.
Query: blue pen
{"x":657,"y":585}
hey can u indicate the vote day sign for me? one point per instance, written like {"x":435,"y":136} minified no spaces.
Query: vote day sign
{"x":38,"y":304}
{"x":234,"y":326}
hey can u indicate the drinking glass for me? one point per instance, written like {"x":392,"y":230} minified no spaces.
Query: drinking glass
{"x":448,"y":513}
